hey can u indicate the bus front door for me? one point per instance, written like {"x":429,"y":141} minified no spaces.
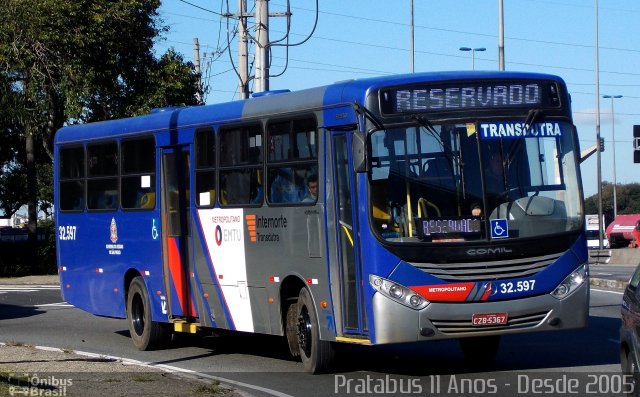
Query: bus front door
{"x":175,"y":231}
{"x":353,"y":314}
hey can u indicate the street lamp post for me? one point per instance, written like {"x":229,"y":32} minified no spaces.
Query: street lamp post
{"x":473,"y":54}
{"x":613,"y":145}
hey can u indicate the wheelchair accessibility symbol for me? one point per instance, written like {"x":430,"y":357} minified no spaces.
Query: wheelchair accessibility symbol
{"x":499,"y":228}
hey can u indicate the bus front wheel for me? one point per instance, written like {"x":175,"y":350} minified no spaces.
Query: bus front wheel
{"x":317,"y":355}
{"x":145,"y":333}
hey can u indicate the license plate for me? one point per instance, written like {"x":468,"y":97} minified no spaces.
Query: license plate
{"x":488,"y":319}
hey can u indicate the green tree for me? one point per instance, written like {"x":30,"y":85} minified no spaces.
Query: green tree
{"x":627,"y":198}
{"x":66,"y":62}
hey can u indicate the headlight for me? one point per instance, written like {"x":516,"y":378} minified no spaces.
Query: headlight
{"x":398,"y":292}
{"x":571,"y":282}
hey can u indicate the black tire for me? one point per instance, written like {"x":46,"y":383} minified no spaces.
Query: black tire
{"x":480,"y":350}
{"x":291,"y":329}
{"x":317,"y":355}
{"x":145,"y":334}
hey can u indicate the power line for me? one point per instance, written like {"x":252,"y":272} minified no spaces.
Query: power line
{"x":375,"y":20}
{"x":201,"y":8}
{"x":469,"y":33}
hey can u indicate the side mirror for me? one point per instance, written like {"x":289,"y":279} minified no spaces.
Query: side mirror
{"x":359,"y":154}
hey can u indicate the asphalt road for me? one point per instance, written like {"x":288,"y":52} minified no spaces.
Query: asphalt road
{"x":35,"y":315}
{"x":612,"y":271}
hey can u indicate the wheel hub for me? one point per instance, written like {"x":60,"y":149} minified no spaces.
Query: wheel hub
{"x":137,"y":315}
{"x":304,"y":331}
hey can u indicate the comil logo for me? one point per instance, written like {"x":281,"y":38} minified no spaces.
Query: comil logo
{"x":251,"y":226}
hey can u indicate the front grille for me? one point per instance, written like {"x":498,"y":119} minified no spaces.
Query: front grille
{"x":481,"y":271}
{"x":451,"y":327}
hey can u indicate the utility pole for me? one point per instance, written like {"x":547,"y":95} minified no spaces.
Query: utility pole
{"x":196,"y":61}
{"x":500,"y":35}
{"x":413,"y":63}
{"x":243,"y":56}
{"x":262,"y":46}
{"x":598,"y":153}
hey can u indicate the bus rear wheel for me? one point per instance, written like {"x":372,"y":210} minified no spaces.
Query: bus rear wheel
{"x":145,"y":333}
{"x":317,"y":355}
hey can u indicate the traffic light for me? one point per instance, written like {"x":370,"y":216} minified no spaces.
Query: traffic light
{"x":601,"y":146}
{"x":636,"y":143}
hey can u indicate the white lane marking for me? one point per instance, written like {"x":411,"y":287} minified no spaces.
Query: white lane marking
{"x":184,"y":372}
{"x":607,"y":291}
{"x":28,"y":287}
{"x":53,"y":286}
{"x":58,"y":304}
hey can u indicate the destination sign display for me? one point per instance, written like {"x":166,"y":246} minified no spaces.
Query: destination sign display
{"x":465,"y":95}
{"x":450,"y":226}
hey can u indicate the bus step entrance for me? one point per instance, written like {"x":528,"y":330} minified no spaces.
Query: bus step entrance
{"x":183,"y":326}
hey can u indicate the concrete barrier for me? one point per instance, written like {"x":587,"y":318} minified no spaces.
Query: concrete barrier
{"x":625,"y":256}
{"x":599,"y":257}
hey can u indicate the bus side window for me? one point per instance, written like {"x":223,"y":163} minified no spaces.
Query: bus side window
{"x":138,"y":176}
{"x":292,"y":161}
{"x":205,"y":169}
{"x":102,"y":176}
{"x":240,"y":168}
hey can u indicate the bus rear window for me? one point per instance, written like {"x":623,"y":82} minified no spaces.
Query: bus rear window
{"x":71,"y":171}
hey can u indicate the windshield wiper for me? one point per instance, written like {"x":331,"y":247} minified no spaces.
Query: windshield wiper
{"x":427,"y":125}
{"x":369,"y":116}
{"x":533,"y":115}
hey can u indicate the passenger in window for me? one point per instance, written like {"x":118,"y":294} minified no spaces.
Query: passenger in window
{"x":284,"y":189}
{"x":312,"y":189}
{"x":256,"y":187}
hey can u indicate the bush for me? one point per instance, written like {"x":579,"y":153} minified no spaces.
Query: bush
{"x":20,"y":257}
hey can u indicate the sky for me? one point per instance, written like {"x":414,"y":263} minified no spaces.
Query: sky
{"x":365,"y":38}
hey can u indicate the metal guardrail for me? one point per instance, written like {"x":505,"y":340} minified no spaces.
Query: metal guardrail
{"x":13,"y":235}
{"x":599,"y":256}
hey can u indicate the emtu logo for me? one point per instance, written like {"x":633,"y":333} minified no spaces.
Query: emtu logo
{"x":251,"y":226}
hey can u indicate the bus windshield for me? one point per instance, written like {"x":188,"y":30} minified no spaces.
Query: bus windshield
{"x":481,"y":180}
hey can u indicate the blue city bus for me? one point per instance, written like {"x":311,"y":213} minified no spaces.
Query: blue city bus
{"x":397,"y":209}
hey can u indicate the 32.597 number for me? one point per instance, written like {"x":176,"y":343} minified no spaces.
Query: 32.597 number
{"x":67,"y":233}
{"x":520,"y":286}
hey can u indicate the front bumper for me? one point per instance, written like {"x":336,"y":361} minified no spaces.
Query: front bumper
{"x":395,"y":323}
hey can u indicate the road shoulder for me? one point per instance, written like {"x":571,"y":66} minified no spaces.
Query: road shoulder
{"x":25,"y":370}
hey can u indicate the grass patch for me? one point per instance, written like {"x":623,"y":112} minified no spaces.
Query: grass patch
{"x":14,"y":343}
{"x":11,"y":378}
{"x":213,"y":389}
{"x":142,"y":378}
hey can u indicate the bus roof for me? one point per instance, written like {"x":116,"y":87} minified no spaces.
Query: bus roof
{"x":350,"y":91}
